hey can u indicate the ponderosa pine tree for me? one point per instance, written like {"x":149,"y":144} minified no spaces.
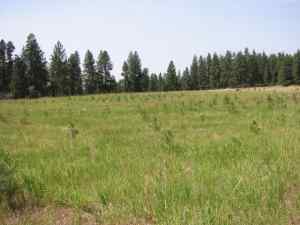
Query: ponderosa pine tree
{"x":74,"y":71}
{"x":226,"y":69}
{"x":215,"y":72}
{"x":161,"y":82}
{"x":194,"y":74}
{"x":18,"y":86}
{"x":125,"y":74}
{"x":91,"y":78}
{"x":145,"y":79}
{"x":153,"y":83}
{"x":2,"y":66}
{"x":273,"y":68}
{"x":36,"y":68}
{"x":171,"y":78}
{"x":285,"y":75}
{"x":296,"y":67}
{"x":59,"y":76}
{"x":134,"y":71}
{"x":9,"y":64}
{"x":185,"y":79}
{"x":104,"y":67}
{"x":203,"y":73}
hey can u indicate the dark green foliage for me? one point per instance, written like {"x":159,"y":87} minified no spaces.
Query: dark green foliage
{"x":74,"y":71}
{"x":19,"y":82}
{"x":285,"y":76}
{"x":106,"y":82}
{"x":36,"y":70}
{"x":2,"y":65}
{"x":91,"y":77}
{"x":153,"y":83}
{"x":185,"y":80}
{"x":296,"y":67}
{"x":59,"y":76}
{"x":171,"y":78}
{"x":232,"y":70}
{"x":134,"y":71}
{"x":145,"y":79}
{"x":194,"y":74}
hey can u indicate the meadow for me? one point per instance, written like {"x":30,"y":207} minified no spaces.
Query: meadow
{"x":176,"y":158}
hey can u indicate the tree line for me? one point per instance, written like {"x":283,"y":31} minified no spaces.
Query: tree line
{"x":30,"y":75}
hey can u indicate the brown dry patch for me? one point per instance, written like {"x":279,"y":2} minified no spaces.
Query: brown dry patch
{"x":50,"y":216}
{"x":290,"y":200}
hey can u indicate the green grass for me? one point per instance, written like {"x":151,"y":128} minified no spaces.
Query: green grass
{"x":178,"y":158}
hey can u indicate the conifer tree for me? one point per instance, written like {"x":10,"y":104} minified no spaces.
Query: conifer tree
{"x":171,"y":77}
{"x":125,"y":75}
{"x":2,"y":66}
{"x":36,"y":68}
{"x":203,"y":73}
{"x":145,"y":79}
{"x":74,"y":71}
{"x":153,"y":84}
{"x":285,"y":76}
{"x":19,"y":82}
{"x":296,"y":67}
{"x":91,"y":78}
{"x":134,"y":71}
{"x":59,"y":76}
{"x":104,"y":67}
{"x":194,"y":73}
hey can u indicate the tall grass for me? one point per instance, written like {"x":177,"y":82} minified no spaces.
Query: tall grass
{"x":177,"y":158}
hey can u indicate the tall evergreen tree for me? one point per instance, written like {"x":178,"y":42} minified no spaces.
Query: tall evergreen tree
{"x":2,"y":66}
{"x":153,"y":84}
{"x":285,"y":76}
{"x":125,"y":75}
{"x":185,"y":80}
{"x":215,"y":72}
{"x":296,"y":67}
{"x":91,"y":77}
{"x":145,"y":79}
{"x":36,"y":67}
{"x":161,"y":82}
{"x":240,"y":68}
{"x":134,"y":71}
{"x":59,"y":76}
{"x":203,"y":73}
{"x":104,"y":67}
{"x":19,"y":82}
{"x":9,"y":64}
{"x":194,"y":73}
{"x":75,"y":74}
{"x":226,"y":69}
{"x":171,"y":77}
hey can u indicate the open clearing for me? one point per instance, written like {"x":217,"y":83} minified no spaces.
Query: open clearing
{"x":206,"y":157}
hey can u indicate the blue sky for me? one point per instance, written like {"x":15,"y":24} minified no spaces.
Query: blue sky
{"x":160,"y":30}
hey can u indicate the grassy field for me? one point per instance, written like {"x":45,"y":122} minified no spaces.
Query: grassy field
{"x":229,"y":157}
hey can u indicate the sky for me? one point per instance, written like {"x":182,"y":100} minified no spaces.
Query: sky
{"x":160,"y":30}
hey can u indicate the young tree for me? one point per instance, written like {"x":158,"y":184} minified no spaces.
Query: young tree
{"x":19,"y":82}
{"x":91,"y":78}
{"x":36,"y":69}
{"x":171,"y":77}
{"x":59,"y":76}
{"x":185,"y":80}
{"x":75,"y":74}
